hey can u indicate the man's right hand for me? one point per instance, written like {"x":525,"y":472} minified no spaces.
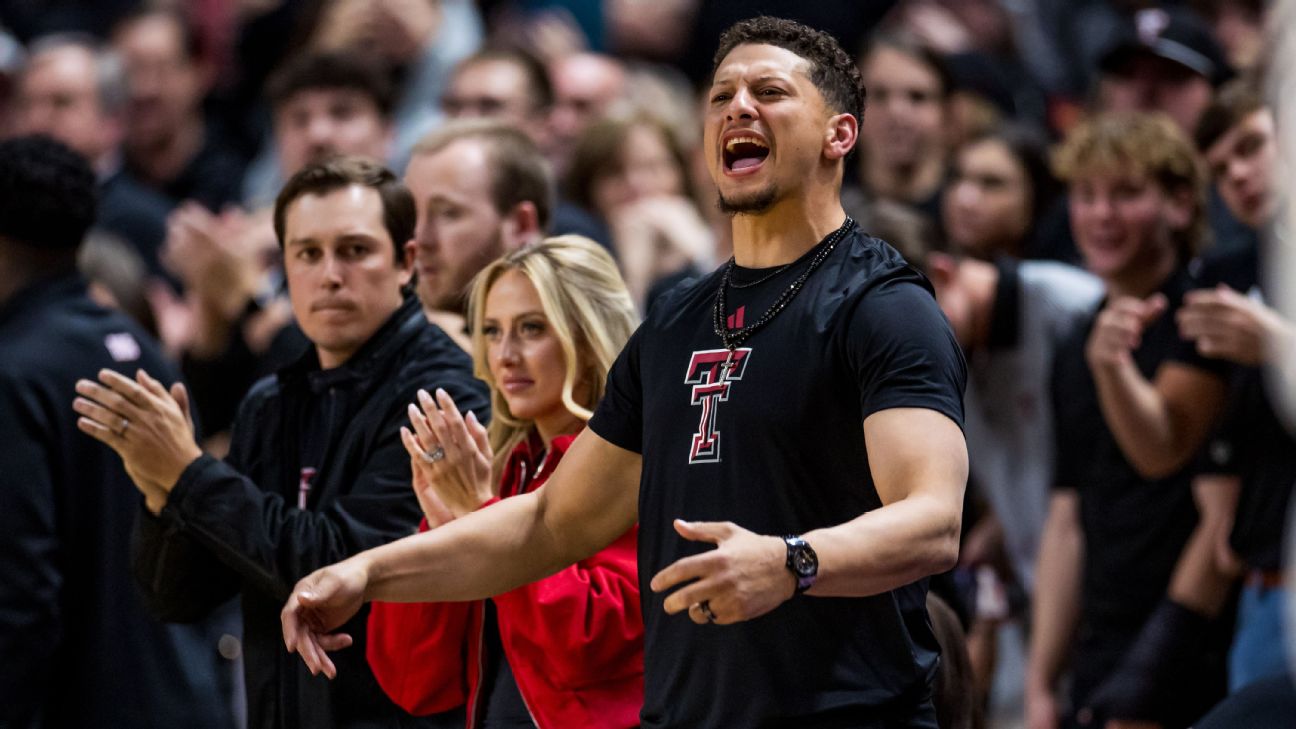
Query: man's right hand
{"x":319,"y":604}
{"x":1118,"y":331}
{"x":1041,"y":707}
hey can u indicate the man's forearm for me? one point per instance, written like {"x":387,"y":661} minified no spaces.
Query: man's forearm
{"x":481,"y":554}
{"x":1138,"y":418}
{"x":1056,"y":609}
{"x":1200,"y":583}
{"x":886,"y":548}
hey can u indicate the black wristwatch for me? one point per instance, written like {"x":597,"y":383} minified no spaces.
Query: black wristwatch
{"x":802,"y":562}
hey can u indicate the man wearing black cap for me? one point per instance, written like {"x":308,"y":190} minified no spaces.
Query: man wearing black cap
{"x":1166,"y":61}
{"x":79,"y":647}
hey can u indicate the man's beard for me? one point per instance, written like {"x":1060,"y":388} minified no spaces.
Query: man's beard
{"x":753,"y":204}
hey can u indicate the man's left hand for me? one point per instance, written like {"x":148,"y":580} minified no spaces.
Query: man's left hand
{"x":744,"y":577}
{"x":147,"y":426}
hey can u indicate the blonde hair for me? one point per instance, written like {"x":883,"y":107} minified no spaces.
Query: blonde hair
{"x":1140,"y":144}
{"x":589,"y":309}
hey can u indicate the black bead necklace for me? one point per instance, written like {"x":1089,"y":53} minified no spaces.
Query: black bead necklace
{"x":733,"y":338}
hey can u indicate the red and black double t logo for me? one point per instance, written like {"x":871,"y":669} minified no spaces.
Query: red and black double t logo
{"x":710,"y":372}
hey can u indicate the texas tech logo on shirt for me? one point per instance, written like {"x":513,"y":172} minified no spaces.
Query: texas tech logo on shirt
{"x":710,"y":372}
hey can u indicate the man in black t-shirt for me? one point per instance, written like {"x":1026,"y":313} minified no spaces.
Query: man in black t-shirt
{"x":1126,"y":569}
{"x":1228,"y":318}
{"x":788,"y":424}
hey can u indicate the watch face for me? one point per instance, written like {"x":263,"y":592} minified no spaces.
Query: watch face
{"x":804,"y":564}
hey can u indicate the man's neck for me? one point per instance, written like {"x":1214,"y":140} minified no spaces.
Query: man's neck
{"x":163,"y":160}
{"x":1144,"y":279}
{"x":786,"y":231}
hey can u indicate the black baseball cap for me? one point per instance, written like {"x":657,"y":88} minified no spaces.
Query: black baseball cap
{"x":1176,"y":35}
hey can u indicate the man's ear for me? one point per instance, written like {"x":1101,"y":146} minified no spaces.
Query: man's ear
{"x":840,"y":136}
{"x":522,"y":225}
{"x":407,"y":264}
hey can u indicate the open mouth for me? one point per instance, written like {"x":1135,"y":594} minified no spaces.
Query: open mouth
{"x":742,"y":154}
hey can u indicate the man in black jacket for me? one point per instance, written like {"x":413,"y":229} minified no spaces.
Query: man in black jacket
{"x":80,"y":648}
{"x":316,"y":470}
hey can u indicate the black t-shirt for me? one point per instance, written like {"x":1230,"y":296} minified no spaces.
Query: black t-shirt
{"x":1134,"y":528}
{"x":1251,"y":443}
{"x":778,"y":448}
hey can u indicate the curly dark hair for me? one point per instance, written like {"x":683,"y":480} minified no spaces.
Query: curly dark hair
{"x":48,"y":195}
{"x":832,"y":71}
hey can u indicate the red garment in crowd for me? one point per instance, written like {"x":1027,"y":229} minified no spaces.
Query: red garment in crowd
{"x":574,"y":640}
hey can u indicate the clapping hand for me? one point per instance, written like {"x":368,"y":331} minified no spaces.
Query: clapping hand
{"x":149,"y":427}
{"x":450,"y":458}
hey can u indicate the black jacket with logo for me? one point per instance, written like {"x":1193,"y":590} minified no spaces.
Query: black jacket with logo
{"x":79,"y":646}
{"x":259,"y":521}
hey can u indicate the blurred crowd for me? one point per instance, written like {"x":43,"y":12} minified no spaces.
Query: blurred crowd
{"x":1088,"y":184}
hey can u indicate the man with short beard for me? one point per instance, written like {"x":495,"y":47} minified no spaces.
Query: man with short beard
{"x":481,"y":189}
{"x":786,"y":430}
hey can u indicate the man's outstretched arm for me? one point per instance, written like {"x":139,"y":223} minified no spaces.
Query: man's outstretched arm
{"x":591,"y":499}
{"x":918,"y":459}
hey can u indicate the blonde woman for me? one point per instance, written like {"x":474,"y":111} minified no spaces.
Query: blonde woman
{"x":547,"y":322}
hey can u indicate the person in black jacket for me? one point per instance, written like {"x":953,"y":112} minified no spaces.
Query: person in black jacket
{"x":79,"y":645}
{"x":316,"y":471}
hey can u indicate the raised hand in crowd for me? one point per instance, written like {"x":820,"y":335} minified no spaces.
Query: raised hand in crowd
{"x":657,"y":236}
{"x":221,"y":261}
{"x":147,"y":425}
{"x":1228,"y":325}
{"x":450,"y":457}
{"x":1119,"y":329}
{"x":397,"y":30}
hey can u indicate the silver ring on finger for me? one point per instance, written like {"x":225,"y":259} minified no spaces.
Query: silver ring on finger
{"x":705,"y":607}
{"x":436,"y":454}
{"x":121,"y":427}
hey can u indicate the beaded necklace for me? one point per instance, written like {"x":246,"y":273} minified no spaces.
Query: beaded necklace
{"x":733,"y":338}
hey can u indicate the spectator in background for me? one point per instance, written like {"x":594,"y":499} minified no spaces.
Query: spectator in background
{"x":316,"y":471}
{"x":323,"y":104}
{"x":566,"y":650}
{"x":506,"y":84}
{"x":1162,"y":60}
{"x":80,"y":648}
{"x":75,"y":91}
{"x":482,"y":189}
{"x":168,"y":143}
{"x":1127,"y":558}
{"x":1232,"y":319}
{"x":1010,"y":317}
{"x":1168,"y":61}
{"x":587,"y":87}
{"x":632,"y":173}
{"x":513,"y":86}
{"x":1002,"y":199}
{"x":1236,"y":137}
{"x":418,"y":41}
{"x":902,"y":137}
{"x":1239,"y":26}
{"x":116,"y":278}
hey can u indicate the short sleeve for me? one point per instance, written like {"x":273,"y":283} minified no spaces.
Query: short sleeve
{"x":1068,"y":388}
{"x":618,"y":419}
{"x":903,"y":353}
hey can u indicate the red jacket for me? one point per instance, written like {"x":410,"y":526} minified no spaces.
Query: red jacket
{"x":574,"y":640}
